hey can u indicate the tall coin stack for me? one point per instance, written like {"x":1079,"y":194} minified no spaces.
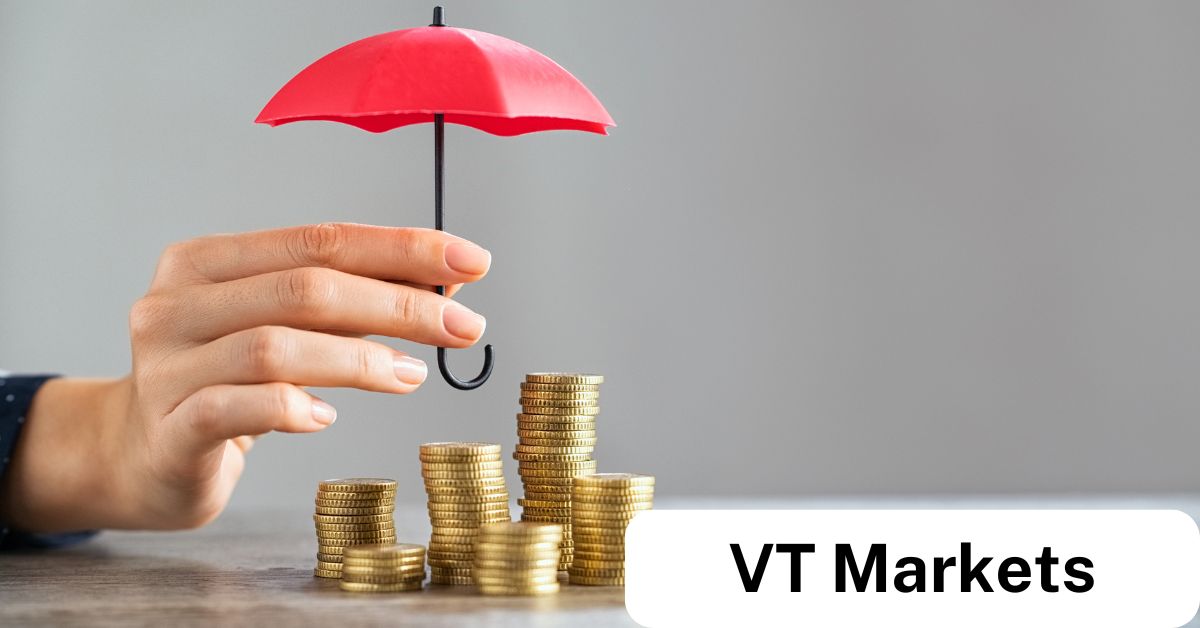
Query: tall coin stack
{"x":556,"y":437}
{"x":517,"y":558}
{"x":465,"y":484}
{"x":352,"y":511}
{"x":383,"y":568}
{"x":602,"y":505}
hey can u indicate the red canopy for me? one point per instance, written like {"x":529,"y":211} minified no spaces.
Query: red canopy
{"x":404,"y":77}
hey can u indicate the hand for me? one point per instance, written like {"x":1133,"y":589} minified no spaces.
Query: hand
{"x":232,"y":328}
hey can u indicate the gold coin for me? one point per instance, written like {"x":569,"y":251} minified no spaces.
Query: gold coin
{"x":328,"y":566}
{"x":568,"y":411}
{"x":362,"y":587}
{"x":356,"y":519}
{"x":327,"y":573}
{"x":465,"y":486}
{"x":597,"y":573}
{"x":388,"y":550}
{"x":463,"y":531}
{"x":385,"y":565}
{"x":560,"y":484}
{"x":438,"y":459}
{"x":612,"y":480}
{"x":577,"y":466}
{"x":353,"y":496}
{"x":362,"y":536}
{"x":615,"y":523}
{"x":614,"y":556}
{"x":592,"y":507}
{"x":450,"y":580}
{"x":381,"y":578}
{"x":460,"y":449}
{"x":449,"y":550}
{"x":564,"y":378}
{"x":559,"y":443}
{"x":344,"y":503}
{"x":530,"y":457}
{"x":559,"y":403}
{"x":353,"y":485}
{"x":462,"y":474}
{"x":330,"y":550}
{"x":556,"y":450}
{"x":597,"y":565}
{"x":552,"y":500}
{"x":551,"y":512}
{"x":572,"y":421}
{"x":462,"y":466}
{"x":373,"y":510}
{"x":599,"y":538}
{"x":545,"y":518}
{"x":566,"y":395}
{"x":450,"y":571}
{"x":508,"y":579}
{"x":561,"y":387}
{"x":515,"y":564}
{"x":329,"y":558}
{"x":531,"y":548}
{"x":556,"y":434}
{"x":604,"y":582}
{"x":467,"y":506}
{"x":469,"y":500}
{"x":543,"y":503}
{"x":600,"y":498}
{"x":519,"y":590}
{"x":326,"y":542}
{"x":356,"y":527}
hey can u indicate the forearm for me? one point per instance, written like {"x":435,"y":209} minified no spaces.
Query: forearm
{"x":60,"y":477}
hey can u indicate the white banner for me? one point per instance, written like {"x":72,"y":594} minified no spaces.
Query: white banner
{"x":913,"y":568}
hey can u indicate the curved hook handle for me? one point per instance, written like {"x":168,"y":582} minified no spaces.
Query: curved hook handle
{"x":483,"y":376}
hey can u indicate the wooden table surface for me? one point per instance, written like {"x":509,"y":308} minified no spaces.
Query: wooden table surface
{"x":255,"y":568}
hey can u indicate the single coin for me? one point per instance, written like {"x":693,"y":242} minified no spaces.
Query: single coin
{"x":614,"y":556}
{"x":456,"y":580}
{"x":598,"y":565}
{"x":451,"y":571}
{"x":564,"y":395}
{"x":329,"y":558}
{"x":462,"y":466}
{"x":559,"y":403}
{"x":355,"y":496}
{"x":350,"y":503}
{"x":361,"y":536}
{"x":509,"y":580}
{"x":562,"y":498}
{"x":550,"y":512}
{"x":449,"y":551}
{"x":584,"y":497}
{"x":462,"y":531}
{"x":355,"y":519}
{"x":568,"y":411}
{"x":561,"y":387}
{"x":606,"y":480}
{"x":382,"y":578}
{"x":515,"y":564}
{"x":327,"y":573}
{"x":519,"y":590}
{"x":328,"y":566}
{"x":558,"y":443}
{"x":564,"y":378}
{"x":468,"y":486}
{"x":573,"y":421}
{"x":521,"y":531}
{"x":590,"y":521}
{"x":468,"y":498}
{"x":362,"y":587}
{"x":545,"y":518}
{"x":385,"y":565}
{"x":530,"y":457}
{"x":350,"y":485}
{"x":592,"y":507}
{"x":557,"y":449}
{"x":374,"y":510}
{"x":556,"y":434}
{"x":460,"y":448}
{"x":462,"y":474}
{"x":439,"y":459}
{"x":531,"y":548}
{"x":355,"y":527}
{"x":596,"y":573}
{"x":467,"y":506}
{"x":386,"y":550}
{"x":604,"y":582}
{"x":544,"y":503}
{"x":599,"y":538}
{"x":325,"y":542}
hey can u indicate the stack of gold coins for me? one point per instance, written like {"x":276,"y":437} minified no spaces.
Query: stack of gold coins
{"x":383,"y":568}
{"x":352,"y":511}
{"x":557,"y":435}
{"x":465,"y":484}
{"x":602,"y":505}
{"x":517,"y":558}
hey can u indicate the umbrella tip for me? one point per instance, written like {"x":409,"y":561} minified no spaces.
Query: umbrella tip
{"x":439,"y":16}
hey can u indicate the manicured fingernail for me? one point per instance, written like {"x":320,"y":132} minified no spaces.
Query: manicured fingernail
{"x":323,"y":413}
{"x":468,"y":258}
{"x":410,"y":370}
{"x":462,"y":322}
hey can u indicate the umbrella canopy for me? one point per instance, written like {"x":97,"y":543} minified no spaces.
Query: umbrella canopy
{"x":405,"y":77}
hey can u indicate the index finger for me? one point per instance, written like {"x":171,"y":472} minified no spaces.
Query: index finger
{"x":422,"y":256}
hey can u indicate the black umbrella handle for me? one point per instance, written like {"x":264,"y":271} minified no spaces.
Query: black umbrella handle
{"x":439,"y":151}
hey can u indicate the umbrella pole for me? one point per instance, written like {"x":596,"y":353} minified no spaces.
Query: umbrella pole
{"x":439,"y":166}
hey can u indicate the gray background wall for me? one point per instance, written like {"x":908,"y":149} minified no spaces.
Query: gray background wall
{"x":831,"y":247}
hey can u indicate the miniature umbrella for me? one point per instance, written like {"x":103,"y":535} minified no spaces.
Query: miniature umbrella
{"x":439,"y":74}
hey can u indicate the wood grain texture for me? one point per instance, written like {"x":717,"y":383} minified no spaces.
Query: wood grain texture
{"x":255,"y":569}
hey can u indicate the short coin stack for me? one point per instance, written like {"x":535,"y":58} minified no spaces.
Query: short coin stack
{"x":465,"y":485}
{"x":383,"y":568}
{"x":517,"y":558}
{"x":556,"y":437}
{"x":352,"y":511}
{"x":602,"y":505}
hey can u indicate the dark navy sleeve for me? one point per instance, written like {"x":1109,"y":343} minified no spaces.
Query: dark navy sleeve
{"x":16,"y":395}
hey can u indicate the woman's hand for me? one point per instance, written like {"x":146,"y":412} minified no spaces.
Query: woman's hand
{"x":232,"y":328}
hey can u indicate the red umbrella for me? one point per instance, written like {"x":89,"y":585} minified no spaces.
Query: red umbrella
{"x":439,"y":74}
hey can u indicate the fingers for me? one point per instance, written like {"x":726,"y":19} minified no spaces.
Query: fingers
{"x":212,"y":415}
{"x":305,"y":358}
{"x":422,"y":256}
{"x":309,"y":298}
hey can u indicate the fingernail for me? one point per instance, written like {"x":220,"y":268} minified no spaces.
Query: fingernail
{"x":468,"y":258}
{"x":461,"y":322}
{"x":323,"y":413}
{"x":410,"y":370}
